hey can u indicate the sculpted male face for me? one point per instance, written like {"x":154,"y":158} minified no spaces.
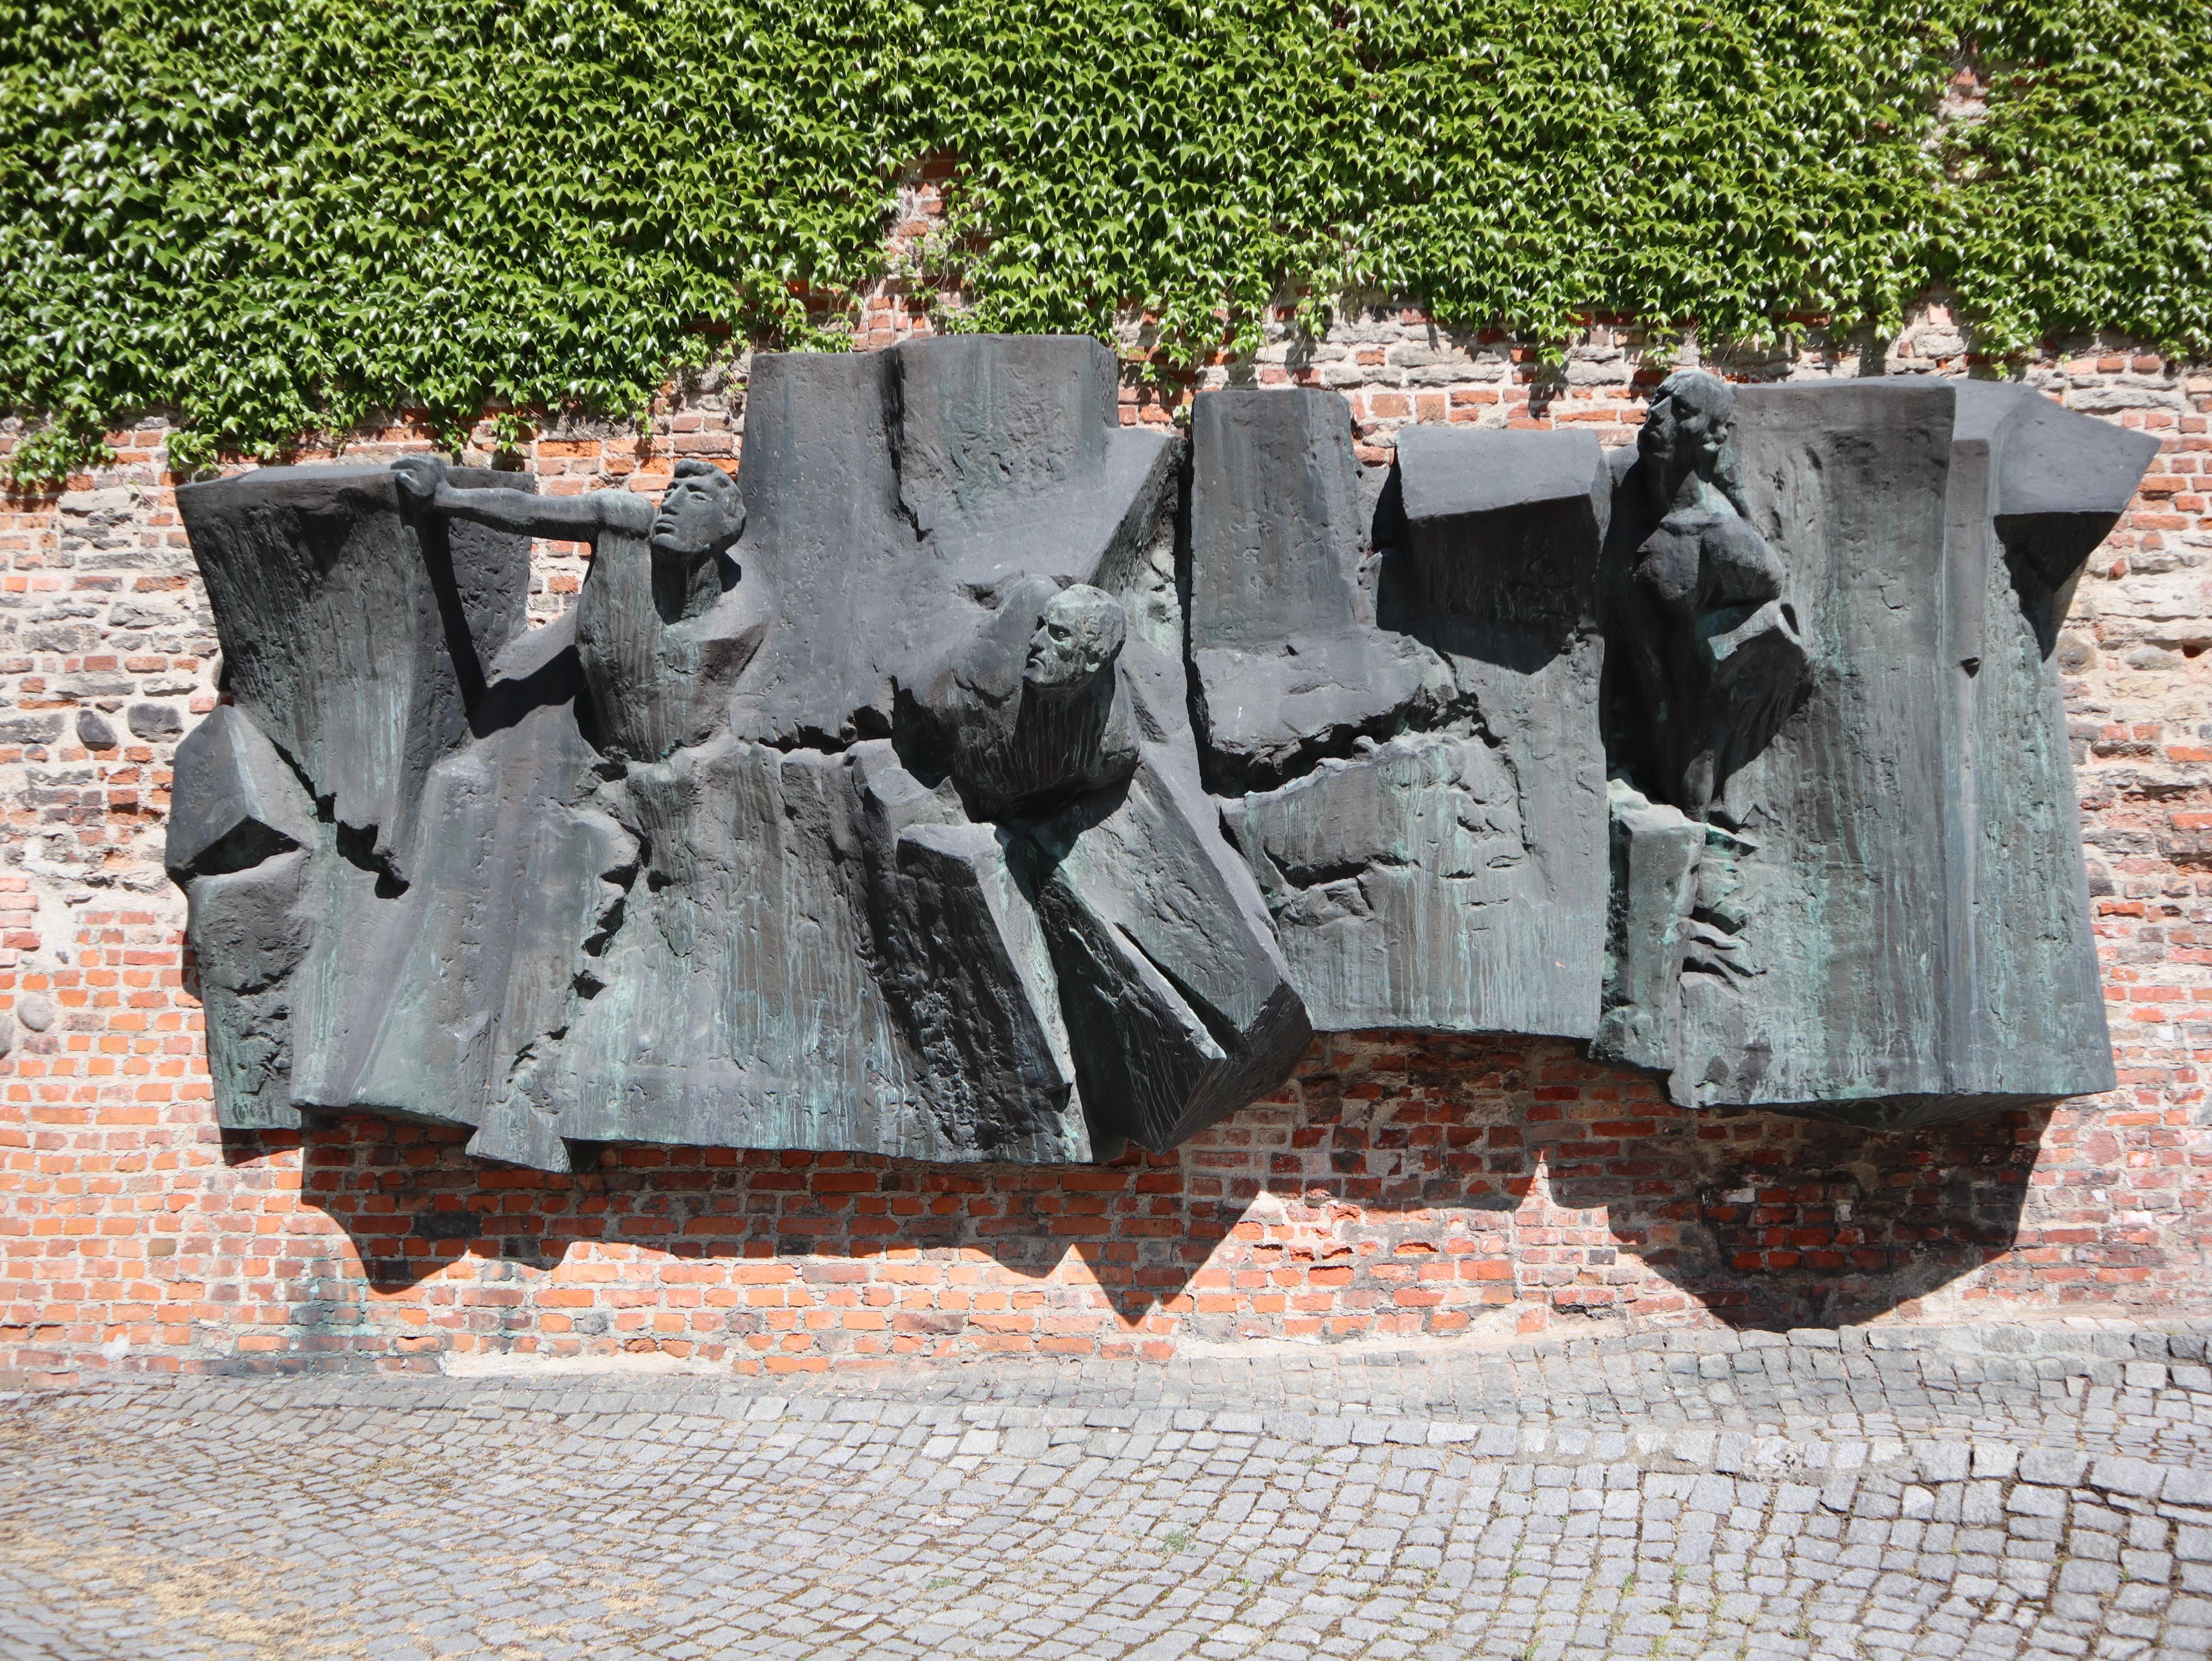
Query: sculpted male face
{"x":1688,"y":423}
{"x":700,"y":514}
{"x":1081,"y":633}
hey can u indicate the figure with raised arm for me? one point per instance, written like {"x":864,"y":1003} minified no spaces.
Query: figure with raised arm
{"x":660,"y":628}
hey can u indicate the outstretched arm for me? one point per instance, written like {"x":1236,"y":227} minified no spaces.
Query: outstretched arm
{"x":422,"y":484}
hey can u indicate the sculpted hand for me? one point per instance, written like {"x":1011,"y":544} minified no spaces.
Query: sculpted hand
{"x":418,"y":479}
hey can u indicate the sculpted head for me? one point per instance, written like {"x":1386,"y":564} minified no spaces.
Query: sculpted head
{"x":1688,"y":423}
{"x":1079,"y":634}
{"x":700,"y":512}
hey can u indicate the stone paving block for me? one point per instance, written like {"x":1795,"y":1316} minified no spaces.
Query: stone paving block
{"x":2117,"y":1475}
{"x":2052,"y":1466}
{"x":1994,"y":1458}
{"x":1945,"y":1461}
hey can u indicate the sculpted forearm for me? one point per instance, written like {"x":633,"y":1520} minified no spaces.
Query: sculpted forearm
{"x":566,"y":519}
{"x":423,"y":485}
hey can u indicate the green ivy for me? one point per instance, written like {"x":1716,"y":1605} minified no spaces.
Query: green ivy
{"x":2084,"y":200}
{"x":273,"y":216}
{"x":48,"y":454}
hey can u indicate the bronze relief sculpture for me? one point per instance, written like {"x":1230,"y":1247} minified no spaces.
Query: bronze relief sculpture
{"x":971,"y":777}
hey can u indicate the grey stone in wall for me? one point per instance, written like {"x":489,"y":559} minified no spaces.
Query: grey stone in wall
{"x":95,"y":731}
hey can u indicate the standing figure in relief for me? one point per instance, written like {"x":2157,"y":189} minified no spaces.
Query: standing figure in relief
{"x":1714,"y":654}
{"x":660,"y":628}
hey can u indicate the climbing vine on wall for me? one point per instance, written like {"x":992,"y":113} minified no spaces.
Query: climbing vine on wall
{"x":272,"y":215}
{"x":2083,"y":200}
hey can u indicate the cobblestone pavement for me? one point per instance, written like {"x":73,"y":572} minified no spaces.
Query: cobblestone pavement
{"x":1971,"y":1492}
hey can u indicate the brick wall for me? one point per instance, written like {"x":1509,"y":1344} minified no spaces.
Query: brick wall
{"x":1397,"y":1187}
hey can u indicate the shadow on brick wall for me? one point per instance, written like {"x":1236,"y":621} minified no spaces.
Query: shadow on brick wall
{"x":413,"y":1204}
{"x":1783,"y":1224}
{"x":1396,"y":1186}
{"x":1608,"y":1200}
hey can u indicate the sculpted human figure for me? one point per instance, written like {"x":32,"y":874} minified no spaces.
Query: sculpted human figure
{"x":1027,"y":733}
{"x":1714,"y":649}
{"x":660,"y":628}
